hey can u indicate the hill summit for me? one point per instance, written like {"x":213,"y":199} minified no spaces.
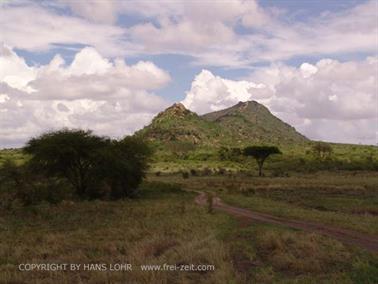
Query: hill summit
{"x":251,"y":121}
{"x":175,"y":111}
{"x":242,"y":124}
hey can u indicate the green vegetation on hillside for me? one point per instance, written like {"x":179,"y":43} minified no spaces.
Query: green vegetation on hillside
{"x":178,"y":126}
{"x":239,"y":125}
{"x":251,"y":122}
{"x":183,"y":140}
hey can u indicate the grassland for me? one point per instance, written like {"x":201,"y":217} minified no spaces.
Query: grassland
{"x":16,"y":155}
{"x":274,"y":254}
{"x":163,"y":225}
{"x":345,"y":199}
{"x":294,"y":159}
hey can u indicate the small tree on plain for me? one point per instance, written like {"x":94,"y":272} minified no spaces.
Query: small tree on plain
{"x":260,"y":154}
{"x":322,"y":150}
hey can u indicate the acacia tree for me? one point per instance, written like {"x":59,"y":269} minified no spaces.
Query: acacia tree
{"x":96,"y":167}
{"x":71,"y":154}
{"x":260,"y":154}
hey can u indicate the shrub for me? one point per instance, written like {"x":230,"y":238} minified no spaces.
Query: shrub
{"x":193,"y":172}
{"x":122,"y":166}
{"x":322,"y":150}
{"x":19,"y":183}
{"x":221,"y":171}
{"x":229,"y":154}
{"x":206,"y":171}
{"x":50,"y":190}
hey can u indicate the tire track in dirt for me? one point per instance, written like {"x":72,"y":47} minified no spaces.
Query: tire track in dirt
{"x":365,"y":241}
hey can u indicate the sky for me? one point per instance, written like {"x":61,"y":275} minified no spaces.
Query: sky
{"x":111,"y":66}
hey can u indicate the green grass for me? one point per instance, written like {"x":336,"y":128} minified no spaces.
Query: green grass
{"x":343,"y":199}
{"x":14,"y":155}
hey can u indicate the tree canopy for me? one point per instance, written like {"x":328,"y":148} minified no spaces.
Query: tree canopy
{"x":260,"y":153}
{"x":95,"y":166}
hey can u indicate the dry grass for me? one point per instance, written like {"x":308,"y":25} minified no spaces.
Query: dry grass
{"x":268,"y":254}
{"x":164,"y":226}
{"x":152,"y":230}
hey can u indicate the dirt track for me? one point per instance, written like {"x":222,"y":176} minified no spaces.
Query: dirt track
{"x":367,"y":242}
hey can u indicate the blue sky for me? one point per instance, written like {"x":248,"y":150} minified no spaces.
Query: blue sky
{"x":313,"y":63}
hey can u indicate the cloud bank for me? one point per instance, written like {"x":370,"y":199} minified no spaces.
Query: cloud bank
{"x":110,"y":97}
{"x":235,"y":33}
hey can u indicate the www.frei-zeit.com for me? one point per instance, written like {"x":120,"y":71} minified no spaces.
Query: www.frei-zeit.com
{"x":113,"y":267}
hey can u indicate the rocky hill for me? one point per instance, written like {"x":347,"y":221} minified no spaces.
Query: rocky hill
{"x":251,"y":121}
{"x":243,"y":124}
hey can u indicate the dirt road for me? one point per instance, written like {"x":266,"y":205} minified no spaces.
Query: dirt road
{"x":365,"y":241}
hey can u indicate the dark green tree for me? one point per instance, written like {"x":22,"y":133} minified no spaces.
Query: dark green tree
{"x":96,"y":167}
{"x":260,"y":154}
{"x":71,"y":154}
{"x":123,"y":166}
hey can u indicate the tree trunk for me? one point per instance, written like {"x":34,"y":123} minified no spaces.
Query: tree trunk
{"x":260,"y":168}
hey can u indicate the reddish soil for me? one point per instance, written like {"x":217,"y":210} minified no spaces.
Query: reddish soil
{"x":365,"y":241}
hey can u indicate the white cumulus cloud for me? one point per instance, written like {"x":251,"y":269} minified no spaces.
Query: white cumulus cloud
{"x":341,"y":96}
{"x":92,"y":92}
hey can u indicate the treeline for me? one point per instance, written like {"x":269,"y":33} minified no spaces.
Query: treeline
{"x":75,"y":164}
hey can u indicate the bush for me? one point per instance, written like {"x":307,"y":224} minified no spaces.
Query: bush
{"x":206,"y":171}
{"x":50,"y":190}
{"x":156,"y":188}
{"x":17,"y":183}
{"x":322,"y":150}
{"x":122,"y":167}
{"x":221,"y":171}
{"x":185,"y":175}
{"x":279,"y":173}
{"x":193,"y":172}
{"x":230,"y":154}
